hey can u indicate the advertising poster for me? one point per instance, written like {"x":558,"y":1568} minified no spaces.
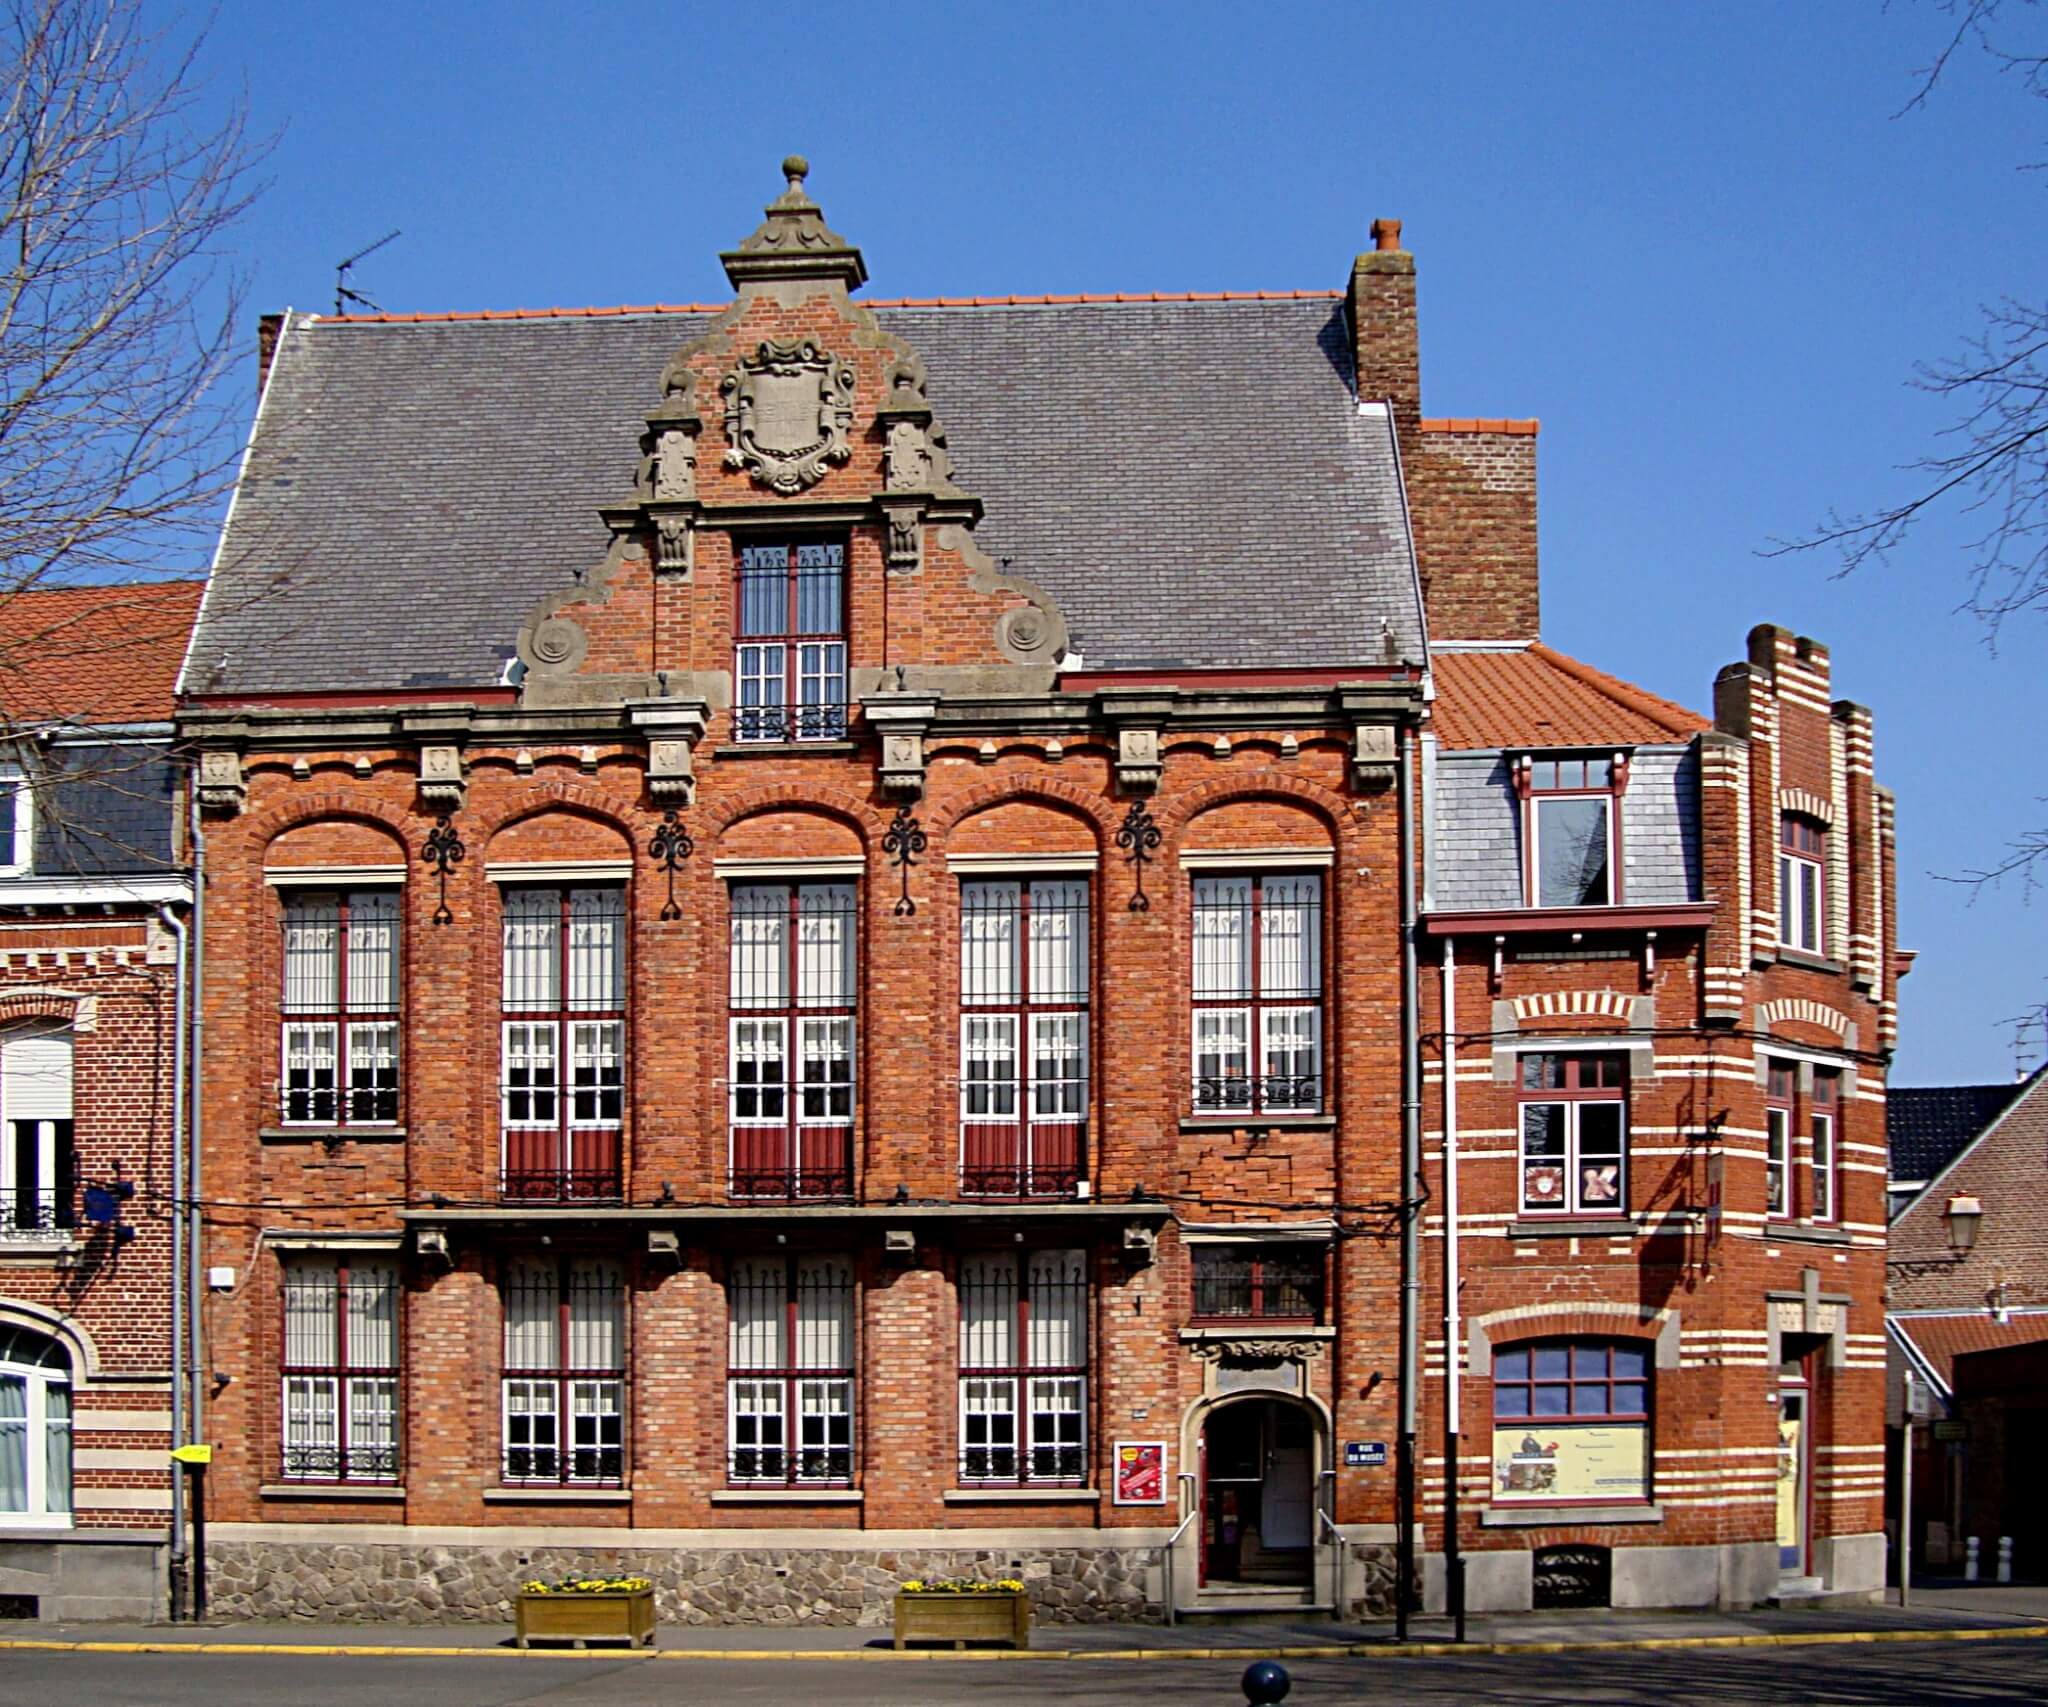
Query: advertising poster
{"x":1140,"y":1472}
{"x":1559,"y":1462}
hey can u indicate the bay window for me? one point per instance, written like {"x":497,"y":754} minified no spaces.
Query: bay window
{"x":1571,"y":829}
{"x":564,"y":1382}
{"x":562,"y":1053}
{"x":1024,"y":1367}
{"x":1258,"y":994}
{"x":1023,"y":1036}
{"x":1571,"y":1422}
{"x":1802,"y":863}
{"x":1574,"y":1133}
{"x":789,"y":1382}
{"x":791,"y":1075}
{"x":340,"y":1369}
{"x":340,"y":1007}
{"x":790,"y":643}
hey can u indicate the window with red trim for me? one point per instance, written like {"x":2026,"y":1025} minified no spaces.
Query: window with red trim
{"x":789,"y":1382}
{"x":790,"y":642}
{"x":1780,"y":1111}
{"x":1571,"y":828}
{"x":1024,"y":1366}
{"x":1571,"y":1422}
{"x":1574,"y":1126}
{"x":1802,"y":883}
{"x":1258,"y":994}
{"x":1258,"y":1281}
{"x":340,"y":1007}
{"x":340,"y":1369}
{"x":1802,"y":1181}
{"x":564,"y":1384}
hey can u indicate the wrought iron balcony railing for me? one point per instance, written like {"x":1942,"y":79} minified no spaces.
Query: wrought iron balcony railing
{"x":30,"y":1212}
{"x":561,"y":1185}
{"x":790,"y":722}
{"x":1282,"y":1093}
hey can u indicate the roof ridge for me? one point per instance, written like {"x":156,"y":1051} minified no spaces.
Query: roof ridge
{"x":1679,"y":719}
{"x":445,"y":316}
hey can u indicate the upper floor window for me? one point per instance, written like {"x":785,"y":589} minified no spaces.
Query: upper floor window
{"x":1789,"y":1189}
{"x":1024,"y":1366}
{"x":564,"y":1383}
{"x":791,"y":1023}
{"x":789,"y":1383}
{"x":36,"y":1159}
{"x":1571,"y":1422}
{"x":1574,"y":1121}
{"x":1258,"y":994}
{"x":1820,"y":1117}
{"x":790,"y":643}
{"x":1258,"y":1281}
{"x":1802,"y":886}
{"x":1571,"y":830}
{"x":340,"y":1007}
{"x":1023,"y":1035}
{"x":562,"y":1066}
{"x":17,"y":822}
{"x":35,"y":1430}
{"x":340,"y":1369}
{"x":1780,"y":1110}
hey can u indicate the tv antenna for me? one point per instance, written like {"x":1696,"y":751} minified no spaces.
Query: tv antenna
{"x":342,"y":294}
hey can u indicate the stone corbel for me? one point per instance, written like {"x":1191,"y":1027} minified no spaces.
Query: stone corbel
{"x":673,"y":729}
{"x":222,"y":787}
{"x":675,"y":541}
{"x":901,"y":720}
{"x":1372,"y":754}
{"x":442,"y":782}
{"x":905,"y":520}
{"x":1138,"y":765}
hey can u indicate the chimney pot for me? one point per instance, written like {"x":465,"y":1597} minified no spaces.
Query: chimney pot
{"x":1386,"y":234}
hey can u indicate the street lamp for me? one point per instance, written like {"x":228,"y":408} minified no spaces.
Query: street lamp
{"x":1964,"y":1215}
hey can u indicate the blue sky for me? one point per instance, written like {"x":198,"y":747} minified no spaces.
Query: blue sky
{"x":1694,"y":241}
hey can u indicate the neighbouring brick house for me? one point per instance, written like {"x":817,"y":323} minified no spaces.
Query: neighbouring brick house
{"x":93,"y":897}
{"x":806,"y":978}
{"x":1968,"y":1315}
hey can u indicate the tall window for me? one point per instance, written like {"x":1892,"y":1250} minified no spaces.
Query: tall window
{"x":35,"y":1430}
{"x":1571,"y":1422}
{"x":791,"y":643}
{"x":565,"y":1370}
{"x":36,"y":1162}
{"x":17,"y":822}
{"x":1574,"y":1133}
{"x":1570,"y":831}
{"x":562,"y":1065}
{"x":1821,"y":1127}
{"x":1258,"y":1282}
{"x":340,"y":1369}
{"x":1258,"y":994}
{"x":1024,"y":1366}
{"x":789,"y":1385}
{"x":1802,"y":861}
{"x":1023,"y":1036}
{"x":1779,"y":1113}
{"x":340,"y":1016}
{"x":1796,"y":1185}
{"x":791,"y":1081}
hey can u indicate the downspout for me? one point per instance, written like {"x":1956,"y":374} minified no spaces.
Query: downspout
{"x":1454,"y":1559}
{"x":195,"y":1171}
{"x":176,"y":926}
{"x":1411,"y":1193}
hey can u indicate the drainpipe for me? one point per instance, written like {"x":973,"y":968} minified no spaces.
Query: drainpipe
{"x":194,"y":1171}
{"x":1411,"y":1193}
{"x":1454,"y":1558}
{"x":176,"y":926}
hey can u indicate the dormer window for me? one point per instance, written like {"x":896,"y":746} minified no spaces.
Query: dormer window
{"x":790,"y":642}
{"x":1571,"y":828}
{"x":1802,"y":864}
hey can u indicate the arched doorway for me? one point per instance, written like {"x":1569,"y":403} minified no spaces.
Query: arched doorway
{"x":1259,"y":1463}
{"x":35,"y":1430}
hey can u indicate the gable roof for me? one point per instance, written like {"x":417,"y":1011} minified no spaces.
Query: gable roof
{"x":1192,"y":480}
{"x":1927,"y":1126}
{"x":1535,"y":696}
{"x":94,"y":654}
{"x":1938,"y":1340}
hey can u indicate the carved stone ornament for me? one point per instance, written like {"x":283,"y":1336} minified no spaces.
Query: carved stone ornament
{"x":906,"y":533}
{"x":675,"y":466}
{"x":441,"y":779}
{"x":221,"y":784}
{"x":675,"y":545}
{"x":788,"y":410}
{"x":1372,"y":753}
{"x":1258,"y":1352}
{"x":1137,"y":759}
{"x":669,"y":774}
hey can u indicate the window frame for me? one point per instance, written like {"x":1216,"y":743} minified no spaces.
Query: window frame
{"x":1069,"y":1463}
{"x":38,"y":1167}
{"x":1256,"y":1255}
{"x":1802,"y":850}
{"x":20,"y":813}
{"x":1211,"y":1095}
{"x":41,"y":1427}
{"x":344,"y":1372}
{"x":570,"y":1176}
{"x":344,"y":1019}
{"x":1049,"y":1151}
{"x":1504,"y":1381}
{"x":1572,"y":1096}
{"x":790,"y":1376}
{"x":564,"y":1378}
{"x":785,"y":719}
{"x":1800,"y":1114}
{"x":1539,"y":778}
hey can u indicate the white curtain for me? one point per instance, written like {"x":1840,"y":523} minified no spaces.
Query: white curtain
{"x":13,"y":1443}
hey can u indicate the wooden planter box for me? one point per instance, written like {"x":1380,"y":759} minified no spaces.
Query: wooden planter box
{"x":627,"y":1616}
{"x":957,"y":1619}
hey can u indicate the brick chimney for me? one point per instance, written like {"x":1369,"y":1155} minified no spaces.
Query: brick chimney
{"x":1385,"y":355}
{"x":268,"y":330}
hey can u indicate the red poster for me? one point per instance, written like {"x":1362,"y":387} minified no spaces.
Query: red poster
{"x":1140,"y":1472}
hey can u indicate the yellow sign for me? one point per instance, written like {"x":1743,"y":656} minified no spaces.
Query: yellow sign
{"x":194,"y":1454}
{"x":1556,"y":1460}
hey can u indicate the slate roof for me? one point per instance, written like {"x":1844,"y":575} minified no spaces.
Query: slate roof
{"x":1927,"y":1126}
{"x":1536,"y":696}
{"x":94,"y":654}
{"x":1191,"y":480}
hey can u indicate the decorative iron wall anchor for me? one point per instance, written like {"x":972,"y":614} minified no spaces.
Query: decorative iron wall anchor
{"x":443,"y":851}
{"x":671,"y":845}
{"x":1139,"y":837}
{"x":904,"y":841}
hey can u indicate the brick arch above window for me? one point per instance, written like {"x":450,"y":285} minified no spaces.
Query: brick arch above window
{"x":533,"y":798}
{"x":1334,"y":810}
{"x":558,"y":834}
{"x":266,"y":828}
{"x":831,"y":802}
{"x":80,"y":1013}
{"x":792,"y":832}
{"x":1581,"y":1320}
{"x":1248,"y":825}
{"x":334,"y":841}
{"x":1807,"y":804}
{"x":1048,"y":792}
{"x":1023,"y":824}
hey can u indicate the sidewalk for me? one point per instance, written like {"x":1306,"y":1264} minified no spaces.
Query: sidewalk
{"x":1936,"y":1611}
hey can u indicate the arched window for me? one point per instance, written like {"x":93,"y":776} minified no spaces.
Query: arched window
{"x":35,"y":1429}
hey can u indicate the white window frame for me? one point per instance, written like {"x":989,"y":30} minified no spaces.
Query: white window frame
{"x":1802,"y":921}
{"x":15,"y":781}
{"x":38,"y":1425}
{"x":1537,"y":802}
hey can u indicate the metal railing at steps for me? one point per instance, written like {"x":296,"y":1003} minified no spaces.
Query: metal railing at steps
{"x":1327,"y":1526}
{"x":1172,"y":1541}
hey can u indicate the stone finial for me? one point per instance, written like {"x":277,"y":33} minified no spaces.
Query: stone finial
{"x":796,"y":169}
{"x":794,"y":242}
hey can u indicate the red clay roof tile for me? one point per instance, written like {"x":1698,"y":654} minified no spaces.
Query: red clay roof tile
{"x":1536,"y":696}
{"x":94,"y":654}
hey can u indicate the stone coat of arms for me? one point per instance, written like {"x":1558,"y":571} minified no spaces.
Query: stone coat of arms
{"x":788,"y":410}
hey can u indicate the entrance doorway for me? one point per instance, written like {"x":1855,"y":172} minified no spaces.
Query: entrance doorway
{"x":1258,"y":1494}
{"x":1795,"y":1452}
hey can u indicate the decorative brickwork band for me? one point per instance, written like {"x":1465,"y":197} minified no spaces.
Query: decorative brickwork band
{"x":1609,"y":1004}
{"x":443,"y":851}
{"x":1770,"y":1014}
{"x":671,"y":845}
{"x":903,"y":842}
{"x":1139,"y":838}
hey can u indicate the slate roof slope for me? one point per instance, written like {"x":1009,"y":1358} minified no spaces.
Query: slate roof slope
{"x":1927,"y":1126}
{"x":94,"y":654}
{"x":1536,"y":696}
{"x":1193,"y":481}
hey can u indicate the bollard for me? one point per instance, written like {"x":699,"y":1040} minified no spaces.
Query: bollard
{"x":1970,"y":1560}
{"x":1266,"y":1681}
{"x":2005,"y":1558}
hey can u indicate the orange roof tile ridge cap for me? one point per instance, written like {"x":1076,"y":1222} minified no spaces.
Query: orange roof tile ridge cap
{"x":1666,"y":712}
{"x":1510,"y":427}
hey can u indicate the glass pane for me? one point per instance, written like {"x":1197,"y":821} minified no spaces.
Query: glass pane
{"x":373,"y":951}
{"x":1510,"y":1401}
{"x":988,"y":942}
{"x":759,"y":1075}
{"x":1631,"y":1362}
{"x":1059,"y":943}
{"x":1512,"y":1365}
{"x":1552,"y":1362}
{"x":311,"y":1297}
{"x":533,"y":921}
{"x":530,"y":1314}
{"x":760,"y":923}
{"x":1630,"y":1399}
{"x":988,"y":1066}
{"x":757,"y":1312}
{"x":1059,"y":1310}
{"x":764,"y":590}
{"x":1571,"y":840}
{"x":988,"y":1311}
{"x":13,"y":1443}
{"x":1290,"y":937}
{"x":824,"y":1313}
{"x":1589,"y":1362}
{"x":312,"y":964}
{"x":373,"y":1315}
{"x":597,"y":1315}
{"x":597,"y":950}
{"x":1223,"y":936}
{"x":1552,"y":1401}
{"x":824,"y":951}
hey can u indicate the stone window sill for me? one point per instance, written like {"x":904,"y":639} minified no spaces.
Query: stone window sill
{"x":787,"y":1496}
{"x":36,"y":1247}
{"x":331,"y":1491}
{"x":1799,"y":1234}
{"x":1237,"y":1121}
{"x":1022,"y":1496}
{"x":557,"y":1496}
{"x":1256,"y":1330}
{"x":786,"y":749}
{"x":1783,"y":956}
{"x":331,"y":1134}
{"x":1561,"y":1516}
{"x":1572,"y":1227}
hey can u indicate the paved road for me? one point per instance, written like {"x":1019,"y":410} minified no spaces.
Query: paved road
{"x":1890,"y":1673}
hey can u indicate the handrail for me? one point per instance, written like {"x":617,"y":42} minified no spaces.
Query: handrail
{"x":1166,"y":1552}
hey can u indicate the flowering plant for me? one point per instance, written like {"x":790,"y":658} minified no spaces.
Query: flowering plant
{"x":962,"y":1585}
{"x":577,"y":1583}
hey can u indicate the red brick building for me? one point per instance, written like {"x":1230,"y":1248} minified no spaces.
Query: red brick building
{"x":806,"y":977}
{"x":94,"y":908}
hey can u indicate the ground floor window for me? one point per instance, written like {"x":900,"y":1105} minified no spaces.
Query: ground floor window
{"x":1571,"y":1422}
{"x":35,"y":1429}
{"x":789,"y":1383}
{"x":340,"y":1369}
{"x":1024,"y":1366}
{"x":564,"y":1391}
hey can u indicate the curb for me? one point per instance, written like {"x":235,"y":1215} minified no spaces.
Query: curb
{"x":1332,"y":1651}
